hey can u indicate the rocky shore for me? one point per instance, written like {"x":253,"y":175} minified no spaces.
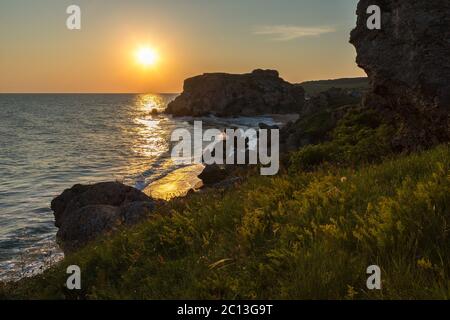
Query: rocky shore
{"x":85,"y":212}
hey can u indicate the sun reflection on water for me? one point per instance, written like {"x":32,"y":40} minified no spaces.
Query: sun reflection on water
{"x":151,"y":135}
{"x":151,"y":102}
{"x":152,"y":143}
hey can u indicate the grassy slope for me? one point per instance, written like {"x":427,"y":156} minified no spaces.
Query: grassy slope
{"x":299,"y":235}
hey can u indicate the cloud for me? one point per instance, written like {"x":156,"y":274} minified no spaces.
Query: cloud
{"x":287,"y":33}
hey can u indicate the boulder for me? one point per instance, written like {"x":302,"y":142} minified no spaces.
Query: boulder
{"x":86,"y":224}
{"x":213,"y":174}
{"x":408,"y":65}
{"x":135,"y":212}
{"x":84,"y":212}
{"x":221,"y":94}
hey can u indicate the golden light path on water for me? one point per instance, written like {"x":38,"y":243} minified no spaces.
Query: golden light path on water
{"x":152,"y":141}
{"x":150,"y":136}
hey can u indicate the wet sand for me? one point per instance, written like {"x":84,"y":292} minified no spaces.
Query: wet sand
{"x":176,"y":184}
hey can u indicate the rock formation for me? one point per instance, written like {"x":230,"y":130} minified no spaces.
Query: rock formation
{"x":214,"y":174}
{"x":408,"y":64}
{"x":221,"y":94}
{"x":84,"y":212}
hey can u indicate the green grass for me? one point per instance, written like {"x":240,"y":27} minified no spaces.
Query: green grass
{"x":359,"y":137}
{"x":302,"y":235}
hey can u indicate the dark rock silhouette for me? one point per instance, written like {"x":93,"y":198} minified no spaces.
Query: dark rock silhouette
{"x":213,"y":174}
{"x":84,"y":212}
{"x":221,"y":94}
{"x":408,"y":65}
{"x":267,"y":126}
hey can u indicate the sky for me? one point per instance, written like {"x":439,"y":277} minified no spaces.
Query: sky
{"x":302,"y":39}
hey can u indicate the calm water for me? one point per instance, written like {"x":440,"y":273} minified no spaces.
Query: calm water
{"x":50,"y":142}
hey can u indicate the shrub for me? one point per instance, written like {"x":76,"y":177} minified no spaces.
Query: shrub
{"x":360,"y":137}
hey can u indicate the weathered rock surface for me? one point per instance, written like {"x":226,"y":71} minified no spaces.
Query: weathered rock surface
{"x":213,"y":174}
{"x":221,"y":94}
{"x":408,"y":64}
{"x":84,"y":212}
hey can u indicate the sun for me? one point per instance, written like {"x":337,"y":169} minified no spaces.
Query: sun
{"x":147,"y":56}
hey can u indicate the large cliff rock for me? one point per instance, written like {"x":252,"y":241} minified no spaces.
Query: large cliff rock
{"x":84,"y":212}
{"x":221,"y":94}
{"x":408,"y":63}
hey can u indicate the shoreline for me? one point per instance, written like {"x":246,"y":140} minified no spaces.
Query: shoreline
{"x":174,"y":184}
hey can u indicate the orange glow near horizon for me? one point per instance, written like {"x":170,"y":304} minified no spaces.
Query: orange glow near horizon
{"x":153,"y":46}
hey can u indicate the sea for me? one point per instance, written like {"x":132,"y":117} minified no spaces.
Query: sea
{"x":49,"y":142}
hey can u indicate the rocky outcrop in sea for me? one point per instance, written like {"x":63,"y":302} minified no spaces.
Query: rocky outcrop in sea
{"x":222,"y":94}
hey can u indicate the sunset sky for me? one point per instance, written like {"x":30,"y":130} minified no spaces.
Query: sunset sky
{"x":303,"y":39}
